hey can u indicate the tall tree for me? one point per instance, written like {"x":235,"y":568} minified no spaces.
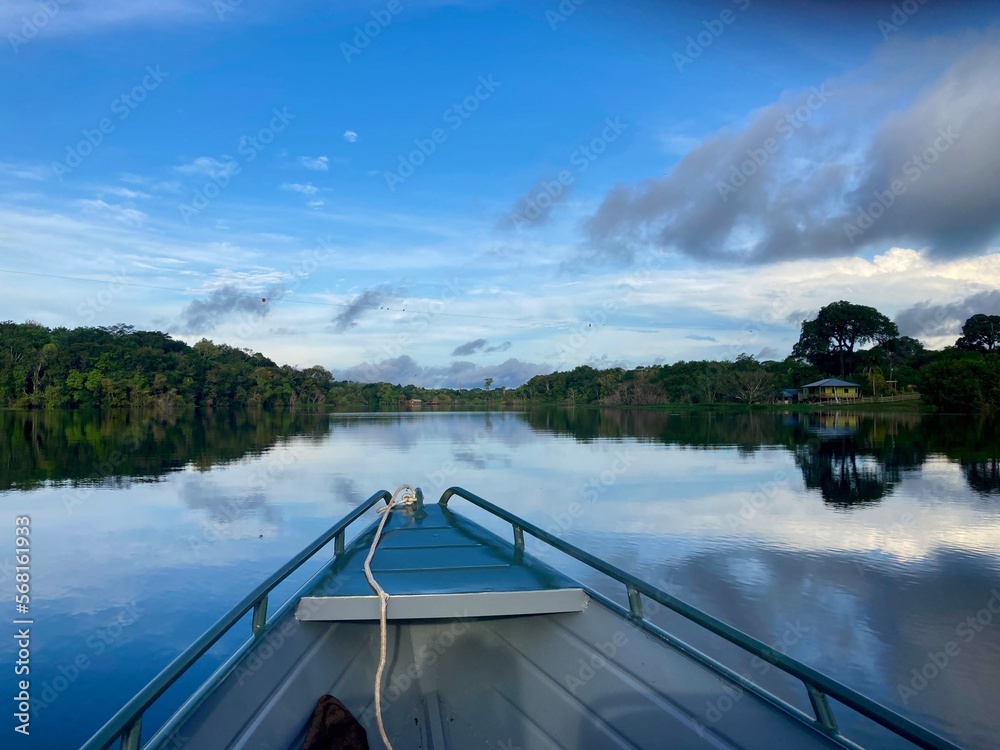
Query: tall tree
{"x":980,"y":333}
{"x":747,"y":381}
{"x":837,"y":330}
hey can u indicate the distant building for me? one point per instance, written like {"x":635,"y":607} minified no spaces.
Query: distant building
{"x":830,"y":389}
{"x":787,"y":396}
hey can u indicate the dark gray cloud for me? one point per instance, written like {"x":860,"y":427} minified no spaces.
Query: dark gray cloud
{"x":833,"y":152}
{"x":926,"y":319}
{"x":694,"y":337}
{"x":369,"y":299}
{"x":469,"y":347}
{"x":767,"y":353}
{"x":797,"y":316}
{"x":534,"y":208}
{"x":203,"y":315}
{"x":479,"y":345}
{"x":405,"y":370}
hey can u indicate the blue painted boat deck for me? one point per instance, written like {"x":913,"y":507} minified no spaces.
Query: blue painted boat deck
{"x":436,"y":564}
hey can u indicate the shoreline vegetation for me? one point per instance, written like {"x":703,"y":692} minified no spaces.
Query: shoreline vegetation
{"x":121,"y":367}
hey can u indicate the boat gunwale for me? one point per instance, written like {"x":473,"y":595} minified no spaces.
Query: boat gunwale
{"x":126,"y":723}
{"x":817,"y":684}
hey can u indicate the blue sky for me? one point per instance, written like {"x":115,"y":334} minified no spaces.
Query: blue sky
{"x":438,"y":192}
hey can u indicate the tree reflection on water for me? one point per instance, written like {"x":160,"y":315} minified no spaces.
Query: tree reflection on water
{"x":852,"y":459}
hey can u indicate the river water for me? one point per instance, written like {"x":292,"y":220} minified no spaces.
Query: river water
{"x":866,"y":546}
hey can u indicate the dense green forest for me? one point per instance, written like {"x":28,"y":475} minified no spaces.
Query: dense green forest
{"x":118,"y":366}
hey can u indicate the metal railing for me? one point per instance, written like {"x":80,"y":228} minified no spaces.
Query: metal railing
{"x":818,"y":686}
{"x":127,"y":723}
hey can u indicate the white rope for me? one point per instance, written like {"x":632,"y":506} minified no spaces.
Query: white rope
{"x":407,"y":496}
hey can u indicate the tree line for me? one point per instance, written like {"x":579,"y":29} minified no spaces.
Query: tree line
{"x":119,"y":366}
{"x":961,"y":378}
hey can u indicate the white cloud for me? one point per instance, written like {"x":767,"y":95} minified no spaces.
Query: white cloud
{"x":155,"y":184}
{"x":35,"y":172}
{"x":119,"y":214}
{"x":124,"y":192}
{"x":315,"y":204}
{"x":296,"y":187}
{"x":203,"y":165}
{"x":350,"y":136}
{"x":317,"y":163}
{"x":677,"y":144}
{"x":81,"y":18}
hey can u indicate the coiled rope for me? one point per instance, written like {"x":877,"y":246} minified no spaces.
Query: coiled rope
{"x":407,"y":496}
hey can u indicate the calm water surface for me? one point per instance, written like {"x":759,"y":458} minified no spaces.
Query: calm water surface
{"x":861,"y":545}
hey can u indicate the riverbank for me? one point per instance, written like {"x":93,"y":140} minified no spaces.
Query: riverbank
{"x":905,"y":406}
